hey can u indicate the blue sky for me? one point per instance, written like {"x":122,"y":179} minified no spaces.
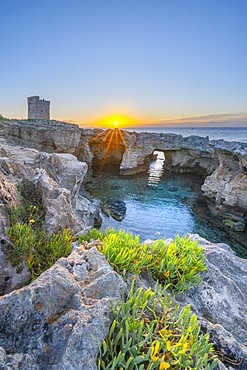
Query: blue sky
{"x":150,"y":59}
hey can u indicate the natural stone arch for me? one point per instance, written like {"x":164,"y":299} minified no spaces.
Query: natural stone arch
{"x":107,"y":150}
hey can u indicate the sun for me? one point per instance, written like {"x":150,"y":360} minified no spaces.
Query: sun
{"x":114,"y":121}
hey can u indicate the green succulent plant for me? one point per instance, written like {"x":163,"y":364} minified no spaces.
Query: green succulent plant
{"x":177,"y":263}
{"x":150,"y":332}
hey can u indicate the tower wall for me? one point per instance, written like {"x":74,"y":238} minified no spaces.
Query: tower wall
{"x":38,"y":108}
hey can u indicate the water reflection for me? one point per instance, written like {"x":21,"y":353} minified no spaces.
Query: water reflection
{"x":164,"y":208}
{"x":156,"y":168}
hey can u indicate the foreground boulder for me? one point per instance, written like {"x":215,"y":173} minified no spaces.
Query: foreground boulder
{"x":221,"y":301}
{"x":58,"y":321}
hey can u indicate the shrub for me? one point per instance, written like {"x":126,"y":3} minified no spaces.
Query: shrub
{"x":176,"y":263}
{"x":148,"y":332}
{"x":30,"y":210}
{"x":30,"y":243}
{"x":37,"y":249}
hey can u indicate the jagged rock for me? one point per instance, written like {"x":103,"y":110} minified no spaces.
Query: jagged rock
{"x":227,"y":186}
{"x":57,"y":204}
{"x":87,"y":211}
{"x":47,"y":136}
{"x":59,"y":178}
{"x":115,"y":208}
{"x":59,"y":320}
{"x":221,"y":300}
{"x":66,"y":170}
{"x":11,"y":277}
{"x":181,"y":154}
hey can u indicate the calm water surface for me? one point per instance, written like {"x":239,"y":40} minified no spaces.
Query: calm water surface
{"x":159,"y":204}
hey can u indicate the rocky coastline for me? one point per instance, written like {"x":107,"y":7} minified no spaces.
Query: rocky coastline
{"x":223,"y":165}
{"x":59,"y":320}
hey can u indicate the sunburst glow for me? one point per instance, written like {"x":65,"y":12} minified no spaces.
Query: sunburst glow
{"x":109,"y":141}
{"x":116,"y":120}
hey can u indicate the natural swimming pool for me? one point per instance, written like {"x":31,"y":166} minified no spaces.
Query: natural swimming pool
{"x":160,"y":204}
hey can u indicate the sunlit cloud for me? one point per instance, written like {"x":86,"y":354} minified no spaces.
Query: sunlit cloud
{"x":217,"y":120}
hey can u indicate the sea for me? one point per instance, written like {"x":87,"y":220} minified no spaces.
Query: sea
{"x":162,"y":204}
{"x":238,"y":134}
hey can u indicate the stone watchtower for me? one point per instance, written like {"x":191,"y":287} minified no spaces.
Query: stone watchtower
{"x":38,"y":108}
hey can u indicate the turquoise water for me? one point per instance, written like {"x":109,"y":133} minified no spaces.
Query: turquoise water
{"x":159,"y":204}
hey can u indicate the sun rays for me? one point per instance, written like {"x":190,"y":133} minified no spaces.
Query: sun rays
{"x":109,"y":143}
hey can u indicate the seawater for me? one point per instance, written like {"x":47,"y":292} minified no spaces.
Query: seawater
{"x":159,"y":204}
{"x":162,"y":204}
{"x":214,"y":133}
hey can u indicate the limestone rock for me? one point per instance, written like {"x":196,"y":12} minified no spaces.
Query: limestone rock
{"x":227,"y":185}
{"x":59,"y":320}
{"x":47,"y":136}
{"x":115,"y":208}
{"x":87,"y":211}
{"x":11,"y":277}
{"x":66,"y":170}
{"x":181,"y":154}
{"x":221,"y":300}
{"x":57,"y":204}
{"x":59,"y":178}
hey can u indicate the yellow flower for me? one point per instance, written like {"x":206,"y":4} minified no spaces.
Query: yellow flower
{"x":168,"y":345}
{"x":165,"y":332}
{"x":155,"y":350}
{"x":164,"y":365}
{"x":31,"y":221}
{"x":183,"y":350}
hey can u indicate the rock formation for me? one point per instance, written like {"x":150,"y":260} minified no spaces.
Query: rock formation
{"x":192,"y":154}
{"x":59,"y":320}
{"x":221,"y":164}
{"x":227,"y":185}
{"x":221,"y":301}
{"x":59,"y":178}
{"x":115,"y":208}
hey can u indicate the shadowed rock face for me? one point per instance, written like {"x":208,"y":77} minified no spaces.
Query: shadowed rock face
{"x":107,"y":149}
